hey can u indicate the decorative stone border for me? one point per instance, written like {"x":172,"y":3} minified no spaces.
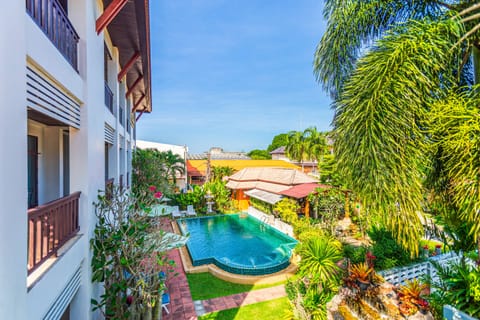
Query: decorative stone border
{"x":235,"y":278}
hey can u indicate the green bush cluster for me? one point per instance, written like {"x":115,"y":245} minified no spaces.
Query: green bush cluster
{"x":261,"y":205}
{"x":287,"y":210}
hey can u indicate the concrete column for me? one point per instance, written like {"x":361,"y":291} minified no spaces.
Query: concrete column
{"x":87,"y":143}
{"x":13,"y":162}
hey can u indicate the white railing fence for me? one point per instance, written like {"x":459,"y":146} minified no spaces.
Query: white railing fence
{"x":271,"y":220}
{"x":398,"y":276}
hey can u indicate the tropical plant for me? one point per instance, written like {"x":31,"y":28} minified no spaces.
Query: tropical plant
{"x":317,"y":279}
{"x":280,"y":140}
{"x":319,"y":257}
{"x":220,"y":193}
{"x":412,"y":291}
{"x":195,"y":197}
{"x":397,"y":70}
{"x":328,"y":205}
{"x":258,"y":154}
{"x":287,"y":210}
{"x":261,"y":205}
{"x":296,"y":147}
{"x":361,"y":272}
{"x":329,"y":173}
{"x":157,"y":168}
{"x":172,"y":164}
{"x":308,"y":145}
{"x":220,"y":172}
{"x":128,"y":252}
{"x":387,"y":251}
{"x":458,"y":285}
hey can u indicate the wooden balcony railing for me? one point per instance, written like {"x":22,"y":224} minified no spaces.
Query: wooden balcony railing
{"x":52,"y":19}
{"x":108,"y":98}
{"x":50,"y":226}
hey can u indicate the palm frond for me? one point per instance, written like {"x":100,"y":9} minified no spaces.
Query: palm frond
{"x":354,"y":25}
{"x":381,"y":115}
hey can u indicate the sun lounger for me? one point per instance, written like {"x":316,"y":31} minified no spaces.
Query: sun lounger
{"x":191,"y":211}
{"x":176,"y":212}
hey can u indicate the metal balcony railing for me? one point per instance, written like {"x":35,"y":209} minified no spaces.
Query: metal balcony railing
{"x":52,"y":19}
{"x":50,"y":226}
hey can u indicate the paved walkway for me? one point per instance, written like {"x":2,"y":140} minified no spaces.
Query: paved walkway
{"x":240,"y":299}
{"x":181,"y":304}
{"x":182,"y":307}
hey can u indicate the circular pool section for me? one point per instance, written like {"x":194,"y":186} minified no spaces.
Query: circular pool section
{"x":237,"y":243}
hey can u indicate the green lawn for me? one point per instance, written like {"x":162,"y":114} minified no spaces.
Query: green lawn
{"x":204,"y":286}
{"x":267,"y":310}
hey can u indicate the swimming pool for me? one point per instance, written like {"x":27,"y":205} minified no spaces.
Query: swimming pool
{"x":237,"y":243}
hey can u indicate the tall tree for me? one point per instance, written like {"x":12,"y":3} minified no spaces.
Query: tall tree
{"x":388,"y":64}
{"x":297,"y":147}
{"x":278,"y":141}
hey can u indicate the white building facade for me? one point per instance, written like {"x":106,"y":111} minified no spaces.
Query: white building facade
{"x":75,"y":78}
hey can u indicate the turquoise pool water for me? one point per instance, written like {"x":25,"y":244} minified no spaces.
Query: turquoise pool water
{"x":237,"y":243}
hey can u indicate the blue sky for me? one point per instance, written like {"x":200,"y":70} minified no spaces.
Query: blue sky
{"x":233,"y":73}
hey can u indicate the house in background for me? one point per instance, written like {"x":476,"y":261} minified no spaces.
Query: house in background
{"x":310,"y":167}
{"x":265,"y":184}
{"x":216,"y":153}
{"x":197,"y":169}
{"x":76,"y":78}
{"x":175,"y":149}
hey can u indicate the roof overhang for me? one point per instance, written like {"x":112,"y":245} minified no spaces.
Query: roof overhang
{"x":130,"y":33}
{"x":264,"y":196}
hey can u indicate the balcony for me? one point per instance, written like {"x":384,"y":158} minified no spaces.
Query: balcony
{"x":52,"y":19}
{"x":50,"y":226}
{"x":108,"y":98}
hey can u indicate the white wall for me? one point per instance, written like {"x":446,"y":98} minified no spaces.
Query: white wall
{"x":13,"y":162}
{"x":87,"y":144}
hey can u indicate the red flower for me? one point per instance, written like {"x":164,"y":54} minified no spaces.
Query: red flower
{"x":425,"y":247}
{"x":438,"y":246}
{"x":129,"y":300}
{"x":152,"y":188}
{"x":158,"y":195}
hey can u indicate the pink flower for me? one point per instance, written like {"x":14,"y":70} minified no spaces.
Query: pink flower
{"x":152,"y":188}
{"x":158,"y":195}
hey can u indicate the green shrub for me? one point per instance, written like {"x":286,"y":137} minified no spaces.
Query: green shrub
{"x":387,"y":251}
{"x":354,"y":253}
{"x":261,"y":205}
{"x":287,"y":209}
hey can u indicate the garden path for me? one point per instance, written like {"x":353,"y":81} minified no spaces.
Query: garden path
{"x":240,"y":299}
{"x":181,"y":304}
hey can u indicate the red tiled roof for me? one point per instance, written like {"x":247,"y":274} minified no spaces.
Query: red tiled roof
{"x":302,"y":190}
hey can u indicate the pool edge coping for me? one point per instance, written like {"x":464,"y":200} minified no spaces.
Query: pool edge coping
{"x":277,"y":277}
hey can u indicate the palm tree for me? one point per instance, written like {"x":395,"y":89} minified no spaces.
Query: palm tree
{"x":296,"y":147}
{"x":316,"y":143}
{"x":172,"y":164}
{"x":401,"y":77}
